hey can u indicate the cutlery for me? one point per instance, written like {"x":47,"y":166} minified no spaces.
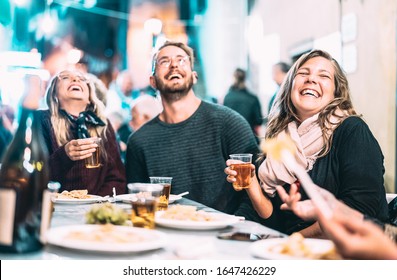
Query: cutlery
{"x":113,"y":198}
{"x":182,"y":194}
{"x":247,"y":236}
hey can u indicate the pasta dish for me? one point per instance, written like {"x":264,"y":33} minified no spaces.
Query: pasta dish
{"x":105,"y":234}
{"x":75,"y":194}
{"x":187,"y":213}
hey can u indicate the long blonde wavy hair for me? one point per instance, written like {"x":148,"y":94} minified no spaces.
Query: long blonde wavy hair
{"x":284,"y":112}
{"x":62,"y":125}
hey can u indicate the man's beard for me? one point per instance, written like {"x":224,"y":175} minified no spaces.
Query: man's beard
{"x":176,"y":91}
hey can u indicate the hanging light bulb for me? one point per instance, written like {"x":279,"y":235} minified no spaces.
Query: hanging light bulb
{"x":89,"y":3}
{"x":47,"y":24}
{"x":153,"y":26}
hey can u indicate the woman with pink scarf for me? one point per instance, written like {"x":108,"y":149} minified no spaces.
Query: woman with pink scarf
{"x":335,"y":146}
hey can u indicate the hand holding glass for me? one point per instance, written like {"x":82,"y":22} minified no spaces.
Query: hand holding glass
{"x":94,"y":161}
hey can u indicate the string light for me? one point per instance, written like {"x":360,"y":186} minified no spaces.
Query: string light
{"x":197,"y":21}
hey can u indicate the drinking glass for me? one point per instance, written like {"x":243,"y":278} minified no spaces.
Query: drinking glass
{"x":94,"y":161}
{"x":165,"y":195}
{"x":144,"y":203}
{"x":243,"y":169}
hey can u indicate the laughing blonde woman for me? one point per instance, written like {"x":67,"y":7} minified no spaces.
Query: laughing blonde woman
{"x":74,"y":120}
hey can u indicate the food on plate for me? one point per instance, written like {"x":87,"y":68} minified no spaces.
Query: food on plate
{"x":106,"y":213}
{"x":274,"y":147}
{"x":105,"y":234}
{"x":187,"y":213}
{"x":296,"y":246}
{"x":75,"y":194}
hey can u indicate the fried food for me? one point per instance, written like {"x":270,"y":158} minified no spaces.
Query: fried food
{"x":295,"y":246}
{"x":75,"y":194}
{"x":274,"y":147}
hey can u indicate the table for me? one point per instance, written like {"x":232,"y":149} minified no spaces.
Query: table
{"x":182,"y":244}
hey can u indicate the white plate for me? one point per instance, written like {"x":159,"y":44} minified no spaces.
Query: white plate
{"x":390,"y":197}
{"x":268,"y":248}
{"x":150,"y":239}
{"x":91,"y":199}
{"x":126,"y":198}
{"x":222,"y":221}
{"x":173,"y":198}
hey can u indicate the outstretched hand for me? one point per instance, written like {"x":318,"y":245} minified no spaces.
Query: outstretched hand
{"x":307,"y":210}
{"x":358,"y":239}
{"x":292,"y":201}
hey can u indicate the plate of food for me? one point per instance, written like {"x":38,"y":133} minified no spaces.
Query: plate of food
{"x":189,"y":218}
{"x":77,"y":197}
{"x":106,"y":238}
{"x":294,"y":247}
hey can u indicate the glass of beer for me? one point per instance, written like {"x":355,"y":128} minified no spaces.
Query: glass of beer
{"x":94,"y":161}
{"x":144,"y":203}
{"x":243,"y":169}
{"x":165,"y":195}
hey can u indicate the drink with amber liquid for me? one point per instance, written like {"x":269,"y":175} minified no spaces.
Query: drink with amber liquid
{"x":163,"y":200}
{"x":243,"y":168}
{"x":142,"y":214}
{"x":243,"y":177}
{"x":94,"y":161}
{"x":144,"y":203}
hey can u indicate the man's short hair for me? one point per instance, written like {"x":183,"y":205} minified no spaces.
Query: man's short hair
{"x":188,"y":50}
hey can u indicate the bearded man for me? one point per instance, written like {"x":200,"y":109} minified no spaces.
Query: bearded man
{"x":190,"y":140}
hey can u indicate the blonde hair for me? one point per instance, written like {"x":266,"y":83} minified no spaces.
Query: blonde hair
{"x":284,"y":112}
{"x":61,"y":124}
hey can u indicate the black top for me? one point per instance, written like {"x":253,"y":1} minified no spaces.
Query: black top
{"x":353,"y":171}
{"x":246,"y":104}
{"x":194,"y":153}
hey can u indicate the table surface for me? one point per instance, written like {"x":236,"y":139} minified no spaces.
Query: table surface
{"x":181,"y":244}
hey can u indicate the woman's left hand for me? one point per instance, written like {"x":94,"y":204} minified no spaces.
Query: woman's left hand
{"x":79,"y":149}
{"x":304,"y":209}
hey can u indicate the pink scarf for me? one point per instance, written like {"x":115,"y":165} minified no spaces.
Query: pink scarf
{"x":309,"y":142}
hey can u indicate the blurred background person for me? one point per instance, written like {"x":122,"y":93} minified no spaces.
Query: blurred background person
{"x":74,"y":120}
{"x":122,"y":130}
{"x":121,"y":94}
{"x":279,"y":71}
{"x":144,"y":108}
{"x":101,"y":90}
{"x":240,"y":99}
